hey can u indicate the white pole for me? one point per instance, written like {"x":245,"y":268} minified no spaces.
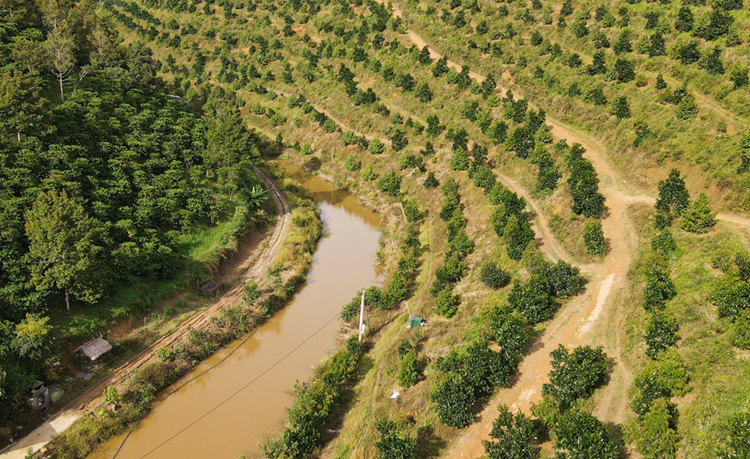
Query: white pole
{"x":407,"y":309}
{"x":362,"y":317}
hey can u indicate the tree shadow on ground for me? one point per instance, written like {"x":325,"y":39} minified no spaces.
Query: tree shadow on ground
{"x":428,"y":444}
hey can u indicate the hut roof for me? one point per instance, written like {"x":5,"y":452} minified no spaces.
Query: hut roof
{"x":95,"y":348}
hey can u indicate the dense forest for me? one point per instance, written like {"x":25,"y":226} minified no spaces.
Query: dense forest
{"x":102,"y":172}
{"x":558,"y":169}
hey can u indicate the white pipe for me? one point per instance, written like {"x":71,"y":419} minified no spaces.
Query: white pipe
{"x":362,"y":317}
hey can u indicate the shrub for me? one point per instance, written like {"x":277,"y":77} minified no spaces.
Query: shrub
{"x":732,"y":296}
{"x":663,"y":377}
{"x":517,"y":234}
{"x":394,"y":443}
{"x":508,"y":329}
{"x":593,"y":237}
{"x":532,"y":300}
{"x":575,"y":375}
{"x":659,"y":287}
{"x":655,"y":439}
{"x":352,"y":163}
{"x":408,"y":373}
{"x":446,"y":303}
{"x":376,"y":147}
{"x":698,"y":217}
{"x":368,"y":174}
{"x":431,"y":181}
{"x":562,"y":279}
{"x":738,"y":442}
{"x":661,"y":333}
{"x":621,"y":108}
{"x":512,"y":436}
{"x":390,"y":183}
{"x":741,"y":330}
{"x":454,"y":399}
{"x":663,"y":243}
{"x":411,"y":210}
{"x":493,"y":276}
{"x":582,"y":436}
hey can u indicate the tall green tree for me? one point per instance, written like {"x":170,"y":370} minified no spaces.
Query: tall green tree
{"x":63,"y":244}
{"x":512,"y":437}
{"x":699,"y":218}
{"x":394,"y":443}
{"x":673,"y":196}
{"x":22,"y":108}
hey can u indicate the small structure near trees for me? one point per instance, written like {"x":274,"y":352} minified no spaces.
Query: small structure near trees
{"x":91,"y":351}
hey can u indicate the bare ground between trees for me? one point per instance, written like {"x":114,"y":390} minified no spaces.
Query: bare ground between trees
{"x":253,"y":267}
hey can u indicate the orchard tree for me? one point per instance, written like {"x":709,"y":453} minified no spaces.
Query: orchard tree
{"x":494,"y":276}
{"x":394,"y":443}
{"x":512,"y":437}
{"x":621,"y":108}
{"x":517,"y":234}
{"x":532,"y":299}
{"x":63,"y":244}
{"x":579,"y":435}
{"x":454,"y":398}
{"x":698,"y":218}
{"x":431,"y":181}
{"x":661,"y":378}
{"x":655,"y":439}
{"x":593,"y":237}
{"x":673,"y":196}
{"x":508,"y":329}
{"x":575,"y":375}
{"x":659,"y":286}
{"x":661,"y":333}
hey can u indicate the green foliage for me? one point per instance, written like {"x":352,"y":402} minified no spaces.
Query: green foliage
{"x":655,"y":439}
{"x":375,"y":146}
{"x":431,"y":181}
{"x":64,"y":243}
{"x":368,"y":174}
{"x":673,"y":196}
{"x":508,"y":329}
{"x":580,"y":435}
{"x":663,"y":243}
{"x":621,"y":108}
{"x":33,"y":338}
{"x":593,"y":237}
{"x":661,"y":333}
{"x":352,"y":163}
{"x":493,"y":276}
{"x":454,"y":399}
{"x":394,"y":443}
{"x":663,"y":377}
{"x":532,"y":299}
{"x":741,"y":330}
{"x":659,"y":286}
{"x":738,"y":443}
{"x":512,"y":437}
{"x":517,"y":234}
{"x":584,"y":185}
{"x":562,"y":279}
{"x":411,"y":210}
{"x":575,"y":375}
{"x":732,"y":296}
{"x":698,"y":217}
{"x":447,"y":303}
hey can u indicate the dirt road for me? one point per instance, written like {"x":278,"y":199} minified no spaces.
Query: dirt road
{"x":254,"y":267}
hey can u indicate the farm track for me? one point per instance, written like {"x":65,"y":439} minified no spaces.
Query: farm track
{"x":254,"y":267}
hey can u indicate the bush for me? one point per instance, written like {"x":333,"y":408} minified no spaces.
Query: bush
{"x":493,"y":276}
{"x":532,"y":300}
{"x":673,"y":196}
{"x":664,"y":377}
{"x":368,"y":174}
{"x":411,"y":210}
{"x":593,"y":237}
{"x":661,"y":333}
{"x":621,"y":108}
{"x":655,"y":439}
{"x":739,"y":437}
{"x":741,"y":330}
{"x":698,"y":218}
{"x":512,"y":437}
{"x":352,"y":163}
{"x":431,"y":181}
{"x":408,"y":373}
{"x":394,"y":443}
{"x":446,"y":303}
{"x":582,"y":436}
{"x":376,"y":147}
{"x":508,"y":329}
{"x":659,"y":287}
{"x":517,"y":234}
{"x":454,"y":399}
{"x":562,"y":279}
{"x":663,"y":243}
{"x":575,"y":375}
{"x":390,"y":183}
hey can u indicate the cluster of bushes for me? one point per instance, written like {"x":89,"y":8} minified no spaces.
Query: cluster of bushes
{"x":316,"y":403}
{"x":459,"y":246}
{"x":509,"y":221}
{"x":732,"y":295}
{"x":584,"y":184}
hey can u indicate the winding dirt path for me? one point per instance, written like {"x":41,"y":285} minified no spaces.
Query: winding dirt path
{"x":253,"y":268}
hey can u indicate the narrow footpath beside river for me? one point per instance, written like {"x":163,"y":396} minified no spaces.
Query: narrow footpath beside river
{"x":343,"y":264}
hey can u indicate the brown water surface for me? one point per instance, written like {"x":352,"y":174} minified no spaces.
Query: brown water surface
{"x":343,"y":263}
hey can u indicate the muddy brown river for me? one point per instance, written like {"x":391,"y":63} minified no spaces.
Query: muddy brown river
{"x":343,"y":264}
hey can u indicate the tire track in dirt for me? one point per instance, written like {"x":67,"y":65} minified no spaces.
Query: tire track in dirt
{"x":258,"y":263}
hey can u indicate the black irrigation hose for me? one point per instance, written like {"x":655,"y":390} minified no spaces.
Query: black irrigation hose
{"x":231,"y":396}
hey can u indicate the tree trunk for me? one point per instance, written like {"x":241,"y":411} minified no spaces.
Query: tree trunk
{"x":67,"y":300}
{"x":62,"y":96}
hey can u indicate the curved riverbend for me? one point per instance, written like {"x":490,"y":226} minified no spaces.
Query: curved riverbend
{"x":290,"y":344}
